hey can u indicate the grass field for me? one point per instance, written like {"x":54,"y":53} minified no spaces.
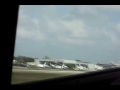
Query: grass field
{"x":20,"y":77}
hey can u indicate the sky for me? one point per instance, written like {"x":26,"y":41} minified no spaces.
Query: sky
{"x":90,"y":33}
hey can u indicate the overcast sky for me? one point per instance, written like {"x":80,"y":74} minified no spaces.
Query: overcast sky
{"x":88,"y":33}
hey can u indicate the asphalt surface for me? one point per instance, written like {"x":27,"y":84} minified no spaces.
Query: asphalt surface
{"x":48,"y":71}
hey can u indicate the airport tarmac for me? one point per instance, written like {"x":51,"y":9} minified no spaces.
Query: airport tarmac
{"x":48,"y":71}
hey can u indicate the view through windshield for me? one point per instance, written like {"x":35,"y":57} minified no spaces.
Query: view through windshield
{"x":61,"y":40}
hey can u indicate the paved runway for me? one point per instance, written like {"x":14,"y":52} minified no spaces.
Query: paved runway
{"x":49,"y":71}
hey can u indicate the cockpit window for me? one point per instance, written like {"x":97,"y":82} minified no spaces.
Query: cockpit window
{"x":61,"y":40}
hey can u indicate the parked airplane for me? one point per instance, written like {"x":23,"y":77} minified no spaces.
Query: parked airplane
{"x":116,"y":64}
{"x":107,"y":66}
{"x":88,"y":67}
{"x":39,"y":65}
{"x":63,"y":66}
{"x":97,"y":67}
{"x":78,"y":67}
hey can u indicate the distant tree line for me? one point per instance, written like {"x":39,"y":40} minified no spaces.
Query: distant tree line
{"x":24,"y":59}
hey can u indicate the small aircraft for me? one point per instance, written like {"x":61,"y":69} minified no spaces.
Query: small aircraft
{"x":63,"y":66}
{"x":88,"y":67}
{"x":78,"y":67}
{"x":116,"y":64}
{"x":97,"y":67}
{"x":39,"y":65}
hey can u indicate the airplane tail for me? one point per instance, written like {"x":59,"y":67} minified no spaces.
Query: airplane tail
{"x":45,"y":63}
{"x":62,"y":66}
{"x":36,"y":61}
{"x":51,"y":64}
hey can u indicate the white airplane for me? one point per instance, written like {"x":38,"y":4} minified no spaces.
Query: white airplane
{"x":78,"y":67}
{"x":116,"y":64}
{"x":63,"y":66}
{"x":46,"y":65}
{"x":56,"y":66}
{"x":97,"y":67}
{"x":88,"y":67}
{"x":39,"y":65}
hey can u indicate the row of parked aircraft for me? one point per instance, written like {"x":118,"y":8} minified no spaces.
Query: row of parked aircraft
{"x":63,"y":66}
{"x":45,"y":65}
{"x":77,"y":65}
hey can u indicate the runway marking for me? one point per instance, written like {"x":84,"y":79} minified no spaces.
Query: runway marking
{"x":48,"y":71}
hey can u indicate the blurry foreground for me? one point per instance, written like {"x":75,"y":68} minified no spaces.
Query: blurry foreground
{"x":27,"y":75}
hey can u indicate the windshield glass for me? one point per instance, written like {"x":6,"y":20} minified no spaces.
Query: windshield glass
{"x":61,"y":40}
